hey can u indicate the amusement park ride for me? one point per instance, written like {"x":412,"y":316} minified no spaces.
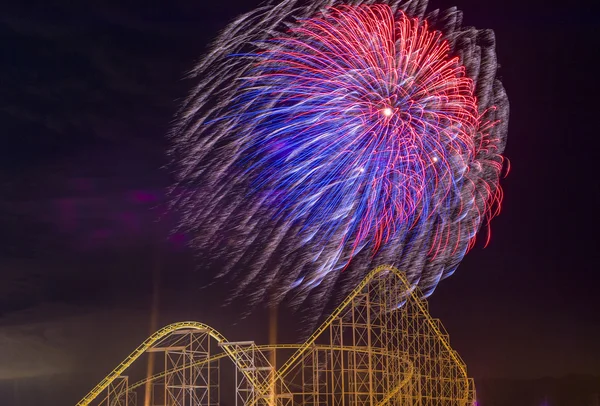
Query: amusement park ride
{"x":379,"y":347}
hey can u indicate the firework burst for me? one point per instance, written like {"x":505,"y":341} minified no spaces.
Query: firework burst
{"x":347,"y":136}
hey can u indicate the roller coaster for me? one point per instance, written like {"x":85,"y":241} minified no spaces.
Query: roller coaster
{"x":379,"y":347}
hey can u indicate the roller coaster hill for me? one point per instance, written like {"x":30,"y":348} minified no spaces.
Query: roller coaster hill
{"x":379,"y":347}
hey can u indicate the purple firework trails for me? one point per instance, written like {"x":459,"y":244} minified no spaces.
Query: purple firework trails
{"x":327,"y":139}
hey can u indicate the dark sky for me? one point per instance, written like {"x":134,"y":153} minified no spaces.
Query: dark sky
{"x":87,"y":92}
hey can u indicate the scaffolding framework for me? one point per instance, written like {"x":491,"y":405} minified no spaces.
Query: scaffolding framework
{"x":379,"y":347}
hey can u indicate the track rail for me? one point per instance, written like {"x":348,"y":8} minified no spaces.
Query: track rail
{"x":301,"y":349}
{"x":142,"y":348}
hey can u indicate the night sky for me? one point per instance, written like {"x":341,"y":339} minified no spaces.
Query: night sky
{"x":87,"y":94}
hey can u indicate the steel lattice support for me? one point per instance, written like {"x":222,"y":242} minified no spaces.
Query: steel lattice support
{"x":192,"y":380}
{"x":379,"y":347}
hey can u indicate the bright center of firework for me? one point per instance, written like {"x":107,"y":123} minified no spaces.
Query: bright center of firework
{"x":435,"y":159}
{"x":387,"y":112}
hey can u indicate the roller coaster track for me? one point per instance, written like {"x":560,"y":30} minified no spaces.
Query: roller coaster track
{"x":145,"y":346}
{"x":380,"y":361}
{"x":336,"y":313}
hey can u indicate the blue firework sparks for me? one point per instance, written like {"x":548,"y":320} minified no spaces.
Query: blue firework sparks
{"x":355,"y":135}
